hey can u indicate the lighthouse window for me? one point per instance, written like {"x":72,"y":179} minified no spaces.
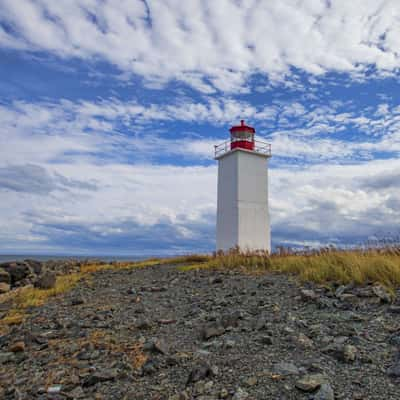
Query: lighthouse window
{"x":242,"y":136}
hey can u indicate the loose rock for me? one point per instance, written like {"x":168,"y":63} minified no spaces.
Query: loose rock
{"x":325,"y":392}
{"x":46,"y":281}
{"x":286,"y":368}
{"x":382,"y":293}
{"x":143,"y":324}
{"x":309,"y":383}
{"x":4,"y":287}
{"x":17,"y":347}
{"x":394,"y":370}
{"x":4,"y":276}
{"x":240,"y":394}
{"x":100,"y":376}
{"x":212,"y":330}
{"x":200,"y":372}
{"x":156,"y":346}
{"x":349,"y":353}
{"x":308,"y":295}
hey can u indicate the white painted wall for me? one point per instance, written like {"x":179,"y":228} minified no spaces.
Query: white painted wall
{"x":227,"y":210}
{"x":242,"y":208}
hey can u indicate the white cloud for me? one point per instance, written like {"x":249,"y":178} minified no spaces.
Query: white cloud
{"x":133,"y":204}
{"x":128,"y":200}
{"x":117,"y":195}
{"x":211,"y":45}
{"x":66,"y":130}
{"x":109,"y":130}
{"x":333,"y":202}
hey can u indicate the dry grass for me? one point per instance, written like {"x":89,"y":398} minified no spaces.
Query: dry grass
{"x":187,"y":259}
{"x":110,"y":342}
{"x":344,"y":267}
{"x":132,"y":350}
{"x":32,"y":297}
{"x":13,"y":317}
{"x":324,"y":266}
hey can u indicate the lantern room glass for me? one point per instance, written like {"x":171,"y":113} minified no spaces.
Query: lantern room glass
{"x":242,"y":139}
{"x":242,"y":135}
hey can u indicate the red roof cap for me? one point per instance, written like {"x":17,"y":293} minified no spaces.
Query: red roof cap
{"x":242,"y":127}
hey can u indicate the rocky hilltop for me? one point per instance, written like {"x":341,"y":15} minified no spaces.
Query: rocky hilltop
{"x":39,"y":274}
{"x":163,"y":333}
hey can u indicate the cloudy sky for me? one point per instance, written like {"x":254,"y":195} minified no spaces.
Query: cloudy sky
{"x":109,"y":110}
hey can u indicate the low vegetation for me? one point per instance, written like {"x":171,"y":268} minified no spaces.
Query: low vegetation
{"x":27,"y":297}
{"x":324,"y":266}
{"x":342,"y":267}
{"x":98,"y":339}
{"x":186,"y":259}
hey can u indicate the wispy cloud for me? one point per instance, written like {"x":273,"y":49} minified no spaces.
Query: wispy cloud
{"x":129,"y":201}
{"x":35,"y":179}
{"x":151,"y":208}
{"x":218,"y":49}
{"x":115,"y":129}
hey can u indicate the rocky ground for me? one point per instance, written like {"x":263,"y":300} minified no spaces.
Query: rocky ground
{"x":158,"y":333}
{"x":14,"y":275}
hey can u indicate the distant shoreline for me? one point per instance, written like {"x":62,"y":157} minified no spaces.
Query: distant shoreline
{"x":46,"y":257}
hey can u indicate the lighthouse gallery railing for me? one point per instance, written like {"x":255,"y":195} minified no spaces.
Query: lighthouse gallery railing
{"x":259,"y":147}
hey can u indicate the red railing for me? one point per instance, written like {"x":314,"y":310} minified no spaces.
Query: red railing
{"x":259,"y":147}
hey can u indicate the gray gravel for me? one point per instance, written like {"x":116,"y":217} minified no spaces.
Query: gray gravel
{"x":158,"y":333}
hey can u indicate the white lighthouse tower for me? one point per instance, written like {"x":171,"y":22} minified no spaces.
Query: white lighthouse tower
{"x":242,"y":209}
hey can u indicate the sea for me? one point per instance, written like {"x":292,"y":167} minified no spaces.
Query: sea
{"x":46,"y":257}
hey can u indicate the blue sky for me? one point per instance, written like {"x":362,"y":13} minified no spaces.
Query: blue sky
{"x":109,"y":111}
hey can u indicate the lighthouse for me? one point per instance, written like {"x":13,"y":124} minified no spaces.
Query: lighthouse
{"x":242,"y":207}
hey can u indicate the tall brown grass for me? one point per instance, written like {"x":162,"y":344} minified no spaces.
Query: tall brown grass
{"x":328,"y":265}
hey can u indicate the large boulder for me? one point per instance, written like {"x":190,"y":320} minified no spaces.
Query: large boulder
{"x":4,"y":287}
{"x":18,"y":271}
{"x":35,"y":265}
{"x":46,"y":281}
{"x":4,"y":276}
{"x":61,"y":267}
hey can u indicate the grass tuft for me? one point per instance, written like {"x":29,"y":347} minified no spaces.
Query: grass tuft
{"x":13,"y":317}
{"x":33,"y":297}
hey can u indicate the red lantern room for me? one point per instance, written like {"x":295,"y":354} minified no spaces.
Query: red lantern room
{"x":242,"y":136}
